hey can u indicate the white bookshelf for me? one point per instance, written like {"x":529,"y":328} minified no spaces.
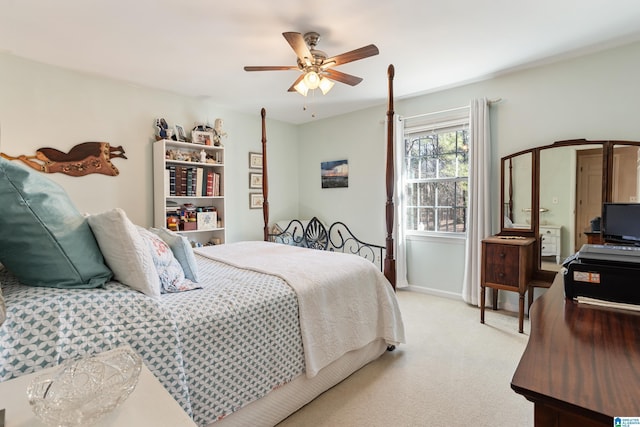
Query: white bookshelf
{"x":162,"y":191}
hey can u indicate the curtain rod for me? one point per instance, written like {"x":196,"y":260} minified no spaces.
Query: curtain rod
{"x":450,"y":110}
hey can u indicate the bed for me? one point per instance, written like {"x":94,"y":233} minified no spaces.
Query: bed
{"x":314,"y":234}
{"x":338,"y":237}
{"x":238,"y":334}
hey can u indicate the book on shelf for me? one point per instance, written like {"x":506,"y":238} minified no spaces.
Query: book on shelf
{"x":191,"y":181}
{"x":181,"y":181}
{"x":215,"y":190}
{"x":210,"y":183}
{"x":172,"y":180}
{"x":198,"y":182}
{"x":189,"y":187}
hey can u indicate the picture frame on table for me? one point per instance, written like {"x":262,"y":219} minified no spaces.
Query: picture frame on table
{"x":180,"y":134}
{"x":255,"y":180}
{"x":255,"y":160}
{"x":202,"y":137}
{"x":256,"y":200}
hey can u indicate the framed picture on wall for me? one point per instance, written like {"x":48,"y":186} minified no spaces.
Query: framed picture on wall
{"x":255,"y":180}
{"x":334,"y":174}
{"x":255,"y":200}
{"x":255,"y":160}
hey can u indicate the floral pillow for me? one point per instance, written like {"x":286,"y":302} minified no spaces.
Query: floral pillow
{"x":170,"y":273}
{"x":182,"y":250}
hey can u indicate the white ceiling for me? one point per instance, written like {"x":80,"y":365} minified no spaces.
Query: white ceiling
{"x":199,"y":47}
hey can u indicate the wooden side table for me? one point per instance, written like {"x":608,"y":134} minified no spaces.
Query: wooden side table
{"x":507,"y":264}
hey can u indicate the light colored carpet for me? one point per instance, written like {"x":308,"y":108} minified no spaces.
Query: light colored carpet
{"x":453,"y":371}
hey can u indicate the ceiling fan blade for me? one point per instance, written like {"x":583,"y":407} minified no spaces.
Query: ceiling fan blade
{"x":270,"y":68}
{"x":354,"y":55}
{"x":342,"y":77}
{"x":296,"y":40}
{"x":292,"y":88}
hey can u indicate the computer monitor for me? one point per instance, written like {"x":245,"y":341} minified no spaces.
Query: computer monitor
{"x":621,"y":223}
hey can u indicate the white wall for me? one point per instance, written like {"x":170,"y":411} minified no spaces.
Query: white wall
{"x":44,"y":106}
{"x":359,"y":138}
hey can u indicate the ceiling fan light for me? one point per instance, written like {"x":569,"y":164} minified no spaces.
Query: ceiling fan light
{"x":312,"y":80}
{"x":301,"y":88}
{"x":325,"y":85}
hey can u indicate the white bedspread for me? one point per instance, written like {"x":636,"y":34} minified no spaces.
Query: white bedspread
{"x":345,"y":302}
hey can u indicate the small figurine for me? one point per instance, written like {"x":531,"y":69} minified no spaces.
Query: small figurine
{"x":162,"y":126}
{"x":218,"y":133}
{"x":203,"y":156}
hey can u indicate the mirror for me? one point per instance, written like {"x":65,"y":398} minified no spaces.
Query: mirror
{"x":626,"y":161}
{"x":517,"y":191}
{"x":570,"y":197}
{"x":555,"y":193}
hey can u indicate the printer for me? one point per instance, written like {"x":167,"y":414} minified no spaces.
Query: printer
{"x":604,"y":272}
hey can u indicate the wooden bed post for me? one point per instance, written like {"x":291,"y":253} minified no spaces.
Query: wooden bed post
{"x":265,"y":183}
{"x":389,"y":261}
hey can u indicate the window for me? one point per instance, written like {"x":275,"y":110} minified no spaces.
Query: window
{"x":436,"y":177}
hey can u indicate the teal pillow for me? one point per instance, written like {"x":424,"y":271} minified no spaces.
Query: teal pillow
{"x":44,"y":240}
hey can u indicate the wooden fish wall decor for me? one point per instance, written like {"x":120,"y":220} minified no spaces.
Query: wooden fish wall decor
{"x":82,"y":159}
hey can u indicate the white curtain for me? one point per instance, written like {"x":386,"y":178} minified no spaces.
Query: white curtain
{"x":400,"y":243}
{"x":479,"y":212}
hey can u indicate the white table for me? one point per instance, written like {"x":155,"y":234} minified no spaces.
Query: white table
{"x":150,"y":405}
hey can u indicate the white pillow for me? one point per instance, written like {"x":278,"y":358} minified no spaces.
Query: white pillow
{"x":182,"y":250}
{"x":125,"y":252}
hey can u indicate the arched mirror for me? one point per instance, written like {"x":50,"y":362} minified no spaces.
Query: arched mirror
{"x":568,"y":183}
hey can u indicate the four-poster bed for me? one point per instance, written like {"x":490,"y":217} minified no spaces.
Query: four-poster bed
{"x":337,"y":236}
{"x":267,"y":328}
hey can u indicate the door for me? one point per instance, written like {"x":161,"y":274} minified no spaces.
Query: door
{"x":588,"y":192}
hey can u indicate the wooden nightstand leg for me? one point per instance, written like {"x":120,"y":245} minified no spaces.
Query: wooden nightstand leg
{"x":482,"y":293}
{"x":521,"y":313}
{"x":494,"y":293}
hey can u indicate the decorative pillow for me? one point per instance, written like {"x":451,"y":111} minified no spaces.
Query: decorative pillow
{"x":182,"y":250}
{"x":125,"y":251}
{"x":45,"y":240}
{"x":167,"y":266}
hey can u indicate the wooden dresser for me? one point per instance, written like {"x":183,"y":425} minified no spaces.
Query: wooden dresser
{"x":507,"y":264}
{"x":581,"y":367}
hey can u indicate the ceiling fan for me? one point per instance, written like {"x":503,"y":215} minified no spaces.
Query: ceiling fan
{"x":314,"y":65}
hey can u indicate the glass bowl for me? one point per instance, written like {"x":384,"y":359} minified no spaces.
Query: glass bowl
{"x":84,"y":390}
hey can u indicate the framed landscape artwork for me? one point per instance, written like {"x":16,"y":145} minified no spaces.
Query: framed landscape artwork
{"x":334,"y":174}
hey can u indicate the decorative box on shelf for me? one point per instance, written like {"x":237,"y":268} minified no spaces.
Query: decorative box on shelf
{"x":188,"y":226}
{"x":207,"y":220}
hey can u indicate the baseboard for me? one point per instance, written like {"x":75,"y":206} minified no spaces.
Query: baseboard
{"x":432,"y":291}
{"x":503,"y":305}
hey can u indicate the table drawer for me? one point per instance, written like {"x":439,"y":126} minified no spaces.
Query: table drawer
{"x":502,"y":264}
{"x":549,"y":231}
{"x":548,"y":248}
